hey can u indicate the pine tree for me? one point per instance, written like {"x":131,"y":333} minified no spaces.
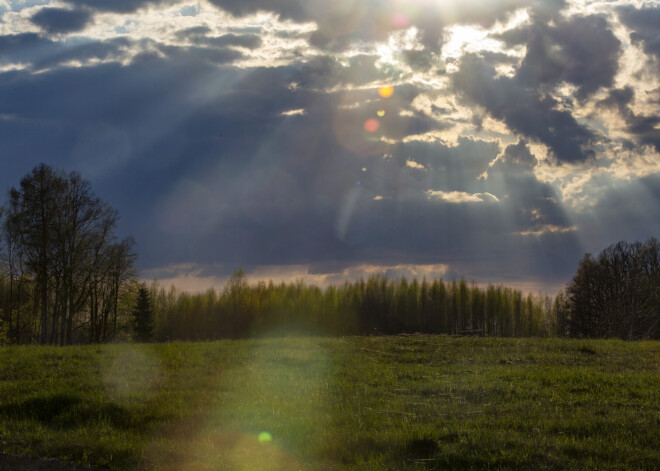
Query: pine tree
{"x":143,"y":316}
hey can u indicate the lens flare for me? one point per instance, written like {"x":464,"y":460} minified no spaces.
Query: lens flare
{"x":265,"y":437}
{"x":400,"y":20}
{"x":381,"y":113}
{"x":371,"y":125}
{"x":386,"y":92}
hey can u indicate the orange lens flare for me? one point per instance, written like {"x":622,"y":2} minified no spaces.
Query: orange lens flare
{"x":371,"y":125}
{"x":386,"y":92}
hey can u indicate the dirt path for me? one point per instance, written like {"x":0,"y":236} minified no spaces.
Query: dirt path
{"x":28,"y":463}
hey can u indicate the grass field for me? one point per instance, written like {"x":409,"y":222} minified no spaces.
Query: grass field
{"x":397,"y":403}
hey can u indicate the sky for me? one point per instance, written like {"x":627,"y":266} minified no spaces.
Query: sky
{"x":495,"y":140}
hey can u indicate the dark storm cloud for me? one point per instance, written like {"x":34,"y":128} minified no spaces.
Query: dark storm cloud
{"x":582,"y":51}
{"x":533,"y":205}
{"x":527,"y":203}
{"x":626,"y":210}
{"x":652,"y":185}
{"x":618,"y":98}
{"x":325,"y":71}
{"x":59,"y":20}
{"x":118,"y":6}
{"x":151,"y":117}
{"x":419,"y":60}
{"x":24,"y":47}
{"x":289,"y":9}
{"x":524,"y":109}
{"x":644,"y":128}
{"x":165,"y":143}
{"x":194,"y":54}
{"x":522,"y":203}
{"x":211,"y":163}
{"x":451,"y":168}
{"x":196,"y":33}
{"x":199,"y":36}
{"x":36,"y":52}
{"x":248,"y":41}
{"x":643,"y":23}
{"x":166,"y":119}
{"x":475,"y":238}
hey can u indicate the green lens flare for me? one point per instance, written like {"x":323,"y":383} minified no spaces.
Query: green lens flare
{"x":265,"y":437}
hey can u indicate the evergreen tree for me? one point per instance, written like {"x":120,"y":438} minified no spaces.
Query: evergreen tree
{"x":143,"y":316}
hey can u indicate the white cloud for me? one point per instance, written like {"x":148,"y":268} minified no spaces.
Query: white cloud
{"x":548,"y":229}
{"x":413,"y":164}
{"x":461,"y":197}
{"x":299,"y":112}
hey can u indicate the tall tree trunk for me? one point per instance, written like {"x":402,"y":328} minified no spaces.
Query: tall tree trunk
{"x":11,"y":301}
{"x":104,"y":330}
{"x":17,"y":330}
{"x":62,"y":333}
{"x":44,"y":309}
{"x":93,"y":316}
{"x":114,"y":313}
{"x":54,"y":328}
{"x":66,"y":305}
{"x":69,"y":330}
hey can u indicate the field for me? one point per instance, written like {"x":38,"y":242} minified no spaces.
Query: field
{"x":398,"y":403}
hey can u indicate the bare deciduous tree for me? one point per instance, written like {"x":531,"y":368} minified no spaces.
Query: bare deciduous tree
{"x":64,"y":235}
{"x":617,"y":294}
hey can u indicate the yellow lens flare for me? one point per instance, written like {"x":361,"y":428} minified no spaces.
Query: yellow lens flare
{"x":371,"y":125}
{"x":381,"y":113}
{"x":386,"y":91}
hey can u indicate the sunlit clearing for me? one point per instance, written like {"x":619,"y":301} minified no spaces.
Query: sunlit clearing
{"x":386,"y":92}
{"x":371,"y":125}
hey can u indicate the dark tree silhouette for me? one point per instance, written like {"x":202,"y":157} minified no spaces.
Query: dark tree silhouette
{"x":60,"y":236}
{"x":616,"y":294}
{"x":143,"y":316}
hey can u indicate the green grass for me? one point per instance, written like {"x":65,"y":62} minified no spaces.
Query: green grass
{"x":397,"y":403}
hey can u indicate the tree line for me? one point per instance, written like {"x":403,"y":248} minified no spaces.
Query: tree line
{"x":377,"y":305}
{"x":614,"y":295}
